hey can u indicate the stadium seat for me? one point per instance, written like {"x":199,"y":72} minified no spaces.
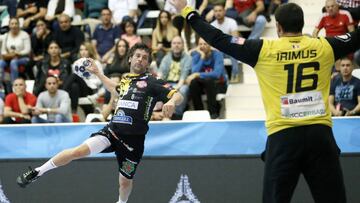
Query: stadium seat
{"x":29,"y":85}
{"x":91,"y":116}
{"x":356,"y":73}
{"x":199,"y":115}
{"x":149,"y":22}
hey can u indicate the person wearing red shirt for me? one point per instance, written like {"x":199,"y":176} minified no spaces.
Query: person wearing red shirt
{"x":18,"y":105}
{"x":334,"y":21}
{"x":248,"y":13}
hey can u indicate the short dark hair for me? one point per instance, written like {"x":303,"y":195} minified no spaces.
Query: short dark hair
{"x":219,"y":4}
{"x":127,"y":20}
{"x":140,"y":46}
{"x":106,"y":9}
{"x":347,"y":57}
{"x":291,"y":17}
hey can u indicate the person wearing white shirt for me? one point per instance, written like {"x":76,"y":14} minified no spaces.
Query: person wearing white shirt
{"x":15,"y":49}
{"x":122,"y":8}
{"x":228,"y":26}
{"x":57,"y":7}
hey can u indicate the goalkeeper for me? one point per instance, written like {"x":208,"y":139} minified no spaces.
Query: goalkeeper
{"x":294,"y":77}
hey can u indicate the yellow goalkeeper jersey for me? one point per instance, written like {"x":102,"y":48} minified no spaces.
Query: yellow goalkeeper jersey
{"x":294,"y":77}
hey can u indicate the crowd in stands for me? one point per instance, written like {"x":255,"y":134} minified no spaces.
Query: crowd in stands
{"x":42,"y":38}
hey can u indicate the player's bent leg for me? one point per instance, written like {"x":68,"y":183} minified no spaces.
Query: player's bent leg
{"x":125,"y":187}
{"x":68,"y":155}
{"x":91,"y":146}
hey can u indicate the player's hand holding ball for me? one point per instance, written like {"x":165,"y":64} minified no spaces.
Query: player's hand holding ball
{"x":81,"y":67}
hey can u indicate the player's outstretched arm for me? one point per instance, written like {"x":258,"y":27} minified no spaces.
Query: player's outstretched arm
{"x":237,"y":47}
{"x":169,"y":107}
{"x":345,"y":44}
{"x":108,"y":83}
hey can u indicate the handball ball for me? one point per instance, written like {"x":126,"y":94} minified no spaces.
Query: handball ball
{"x":80,"y":66}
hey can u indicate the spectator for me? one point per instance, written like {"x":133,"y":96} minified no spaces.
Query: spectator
{"x":68,"y":37}
{"x":105,"y":34}
{"x":15,"y":49}
{"x":208,"y":12}
{"x":123,"y":8}
{"x":228,"y":26}
{"x":94,"y":8}
{"x":348,"y":3}
{"x":180,"y":23}
{"x":52,"y":65}
{"x":174,"y":69}
{"x":172,"y":10}
{"x":272,"y":5}
{"x":18,"y":104}
{"x":344,"y":99}
{"x":1,"y":110}
{"x":353,"y":6}
{"x":40,"y":41}
{"x":30,"y":11}
{"x":334,"y":21}
{"x":53,"y":103}
{"x":248,"y":13}
{"x":92,"y":13}
{"x":57,"y":8}
{"x":81,"y":87}
{"x":129,"y":27}
{"x":11,"y":7}
{"x":119,"y":63}
{"x":208,"y":75}
{"x":163,"y":33}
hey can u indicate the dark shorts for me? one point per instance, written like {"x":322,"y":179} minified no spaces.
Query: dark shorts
{"x":309,"y":150}
{"x":128,"y":152}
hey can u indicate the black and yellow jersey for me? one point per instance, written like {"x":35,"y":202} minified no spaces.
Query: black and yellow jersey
{"x":293,"y":72}
{"x":137,"y":97}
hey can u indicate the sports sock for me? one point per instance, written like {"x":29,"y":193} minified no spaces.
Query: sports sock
{"x":119,"y":201}
{"x":45,"y":167}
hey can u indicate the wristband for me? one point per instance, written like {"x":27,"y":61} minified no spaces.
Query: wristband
{"x":185,"y":11}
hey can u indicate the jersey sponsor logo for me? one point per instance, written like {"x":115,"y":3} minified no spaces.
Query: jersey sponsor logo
{"x":128,"y":104}
{"x":302,"y":105}
{"x":345,"y":38}
{"x":238,"y":40}
{"x":296,"y":46}
{"x":120,"y":117}
{"x":128,"y":167}
{"x":141,"y":84}
{"x":148,"y":103}
{"x":135,"y":90}
{"x":123,"y":87}
{"x":135,"y":97}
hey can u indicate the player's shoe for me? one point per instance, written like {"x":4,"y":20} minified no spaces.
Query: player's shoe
{"x":28,"y":177}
